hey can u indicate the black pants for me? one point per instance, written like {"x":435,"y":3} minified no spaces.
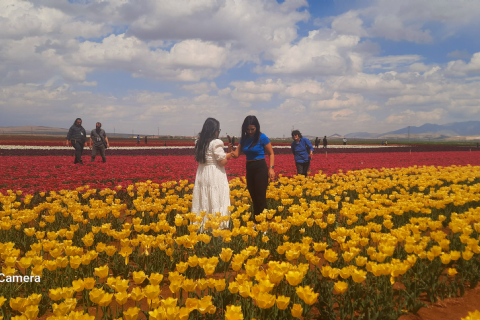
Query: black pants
{"x":257,"y":183}
{"x":78,"y":145}
{"x":302,"y":168}
{"x":325,"y":146}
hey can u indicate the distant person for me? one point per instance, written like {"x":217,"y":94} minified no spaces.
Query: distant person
{"x":325,"y":142}
{"x":138,"y":139}
{"x":386,"y":142}
{"x":145,"y":139}
{"x":477,"y":145}
{"x":317,"y":142}
{"x":165,"y":143}
{"x":383,"y":143}
{"x":302,"y":149}
{"x":100,"y":142}
{"x":77,"y":137}
{"x":344,"y":141}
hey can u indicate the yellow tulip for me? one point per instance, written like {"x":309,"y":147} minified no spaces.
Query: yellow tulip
{"x":282,"y":302}
{"x":139,"y":277}
{"x":297,"y":310}
{"x":340,"y":287}
{"x":101,"y":272}
{"x":155,"y":278}
{"x":234,"y":313}
{"x":121,"y":297}
{"x":131,"y":313}
{"x":294,"y":277}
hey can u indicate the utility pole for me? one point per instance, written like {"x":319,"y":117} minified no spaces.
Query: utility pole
{"x":114,"y":131}
{"x":158,"y":132}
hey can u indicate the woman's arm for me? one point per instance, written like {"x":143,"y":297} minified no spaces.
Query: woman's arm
{"x":219,"y":154}
{"x":235,"y":154}
{"x":271,"y":155}
{"x":223,"y":162}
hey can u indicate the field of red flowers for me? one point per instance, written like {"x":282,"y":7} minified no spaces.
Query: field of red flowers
{"x":32,"y":174}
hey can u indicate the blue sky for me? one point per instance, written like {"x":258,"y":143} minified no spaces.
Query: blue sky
{"x":323,"y":67}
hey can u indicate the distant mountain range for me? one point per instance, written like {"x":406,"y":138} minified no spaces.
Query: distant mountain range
{"x":428,"y":130}
{"x":467,"y":128}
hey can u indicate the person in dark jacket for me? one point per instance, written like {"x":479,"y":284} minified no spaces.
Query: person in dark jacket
{"x":77,"y":137}
{"x":145,"y":139}
{"x":98,"y":142}
{"x":325,"y":142}
{"x":317,"y":142}
{"x":303,"y":150}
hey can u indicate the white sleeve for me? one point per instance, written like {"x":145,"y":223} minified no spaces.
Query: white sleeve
{"x":218,"y":152}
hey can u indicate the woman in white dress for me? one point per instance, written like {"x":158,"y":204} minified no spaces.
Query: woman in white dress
{"x":211,"y":192}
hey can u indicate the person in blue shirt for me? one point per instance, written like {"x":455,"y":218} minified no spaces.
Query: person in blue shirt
{"x":303,"y":150}
{"x":255,"y":145}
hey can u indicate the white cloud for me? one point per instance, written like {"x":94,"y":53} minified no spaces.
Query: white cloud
{"x":292,"y":106}
{"x":256,"y":91}
{"x":390,"y":26}
{"x":338,"y":101}
{"x":307,"y":90}
{"x":201,"y":87}
{"x":460,"y":68}
{"x":415,"y":118}
{"x":349,"y":23}
{"x":189,"y":60}
{"x":322,"y":52}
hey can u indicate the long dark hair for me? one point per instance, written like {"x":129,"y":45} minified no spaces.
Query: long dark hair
{"x":208,"y":133}
{"x":250,"y":120}
{"x":297,"y":133}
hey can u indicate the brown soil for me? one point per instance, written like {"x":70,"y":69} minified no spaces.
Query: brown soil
{"x":449,"y":309}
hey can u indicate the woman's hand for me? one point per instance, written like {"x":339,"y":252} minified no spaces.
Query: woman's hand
{"x":271,"y":174}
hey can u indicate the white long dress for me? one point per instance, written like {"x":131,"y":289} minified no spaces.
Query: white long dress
{"x":211,"y":192}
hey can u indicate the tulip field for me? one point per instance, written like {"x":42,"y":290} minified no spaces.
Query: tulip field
{"x":364,"y":236}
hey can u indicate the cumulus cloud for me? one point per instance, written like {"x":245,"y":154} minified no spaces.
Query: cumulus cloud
{"x":322,"y":52}
{"x":338,"y":101}
{"x":201,"y":87}
{"x":256,"y":90}
{"x":415,"y":117}
{"x":293,"y":106}
{"x":460,"y":68}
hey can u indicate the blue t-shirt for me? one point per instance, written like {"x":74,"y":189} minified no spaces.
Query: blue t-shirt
{"x":301,"y":150}
{"x":258,"y":151}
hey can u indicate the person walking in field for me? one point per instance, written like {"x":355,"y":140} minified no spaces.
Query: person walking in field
{"x":100,"y":142}
{"x":77,"y":137}
{"x":145,"y":139}
{"x":302,"y":149}
{"x":255,"y":145}
{"x":325,"y":142}
{"x":317,"y":142}
{"x":211,"y":192}
{"x":138,"y":139}
{"x":344,"y":141}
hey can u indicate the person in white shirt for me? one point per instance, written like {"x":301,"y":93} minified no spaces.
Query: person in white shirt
{"x":344,"y":141}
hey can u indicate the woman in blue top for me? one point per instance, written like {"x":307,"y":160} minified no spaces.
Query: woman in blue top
{"x":303,"y":150}
{"x":254,"y":144}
